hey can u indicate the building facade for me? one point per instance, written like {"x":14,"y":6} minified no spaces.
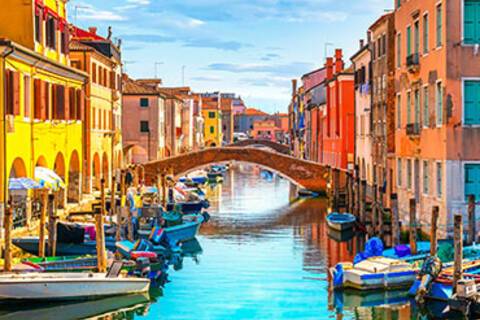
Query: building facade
{"x":101,"y":59}
{"x":212,"y":116}
{"x":41,"y":102}
{"x":363,"y":114}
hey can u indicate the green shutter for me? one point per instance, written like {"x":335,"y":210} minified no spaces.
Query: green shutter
{"x":472,"y":102}
{"x":472,"y":180}
{"x":469,"y":25}
{"x":409,"y":41}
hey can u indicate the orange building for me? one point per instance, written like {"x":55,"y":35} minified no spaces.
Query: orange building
{"x":437,"y":106}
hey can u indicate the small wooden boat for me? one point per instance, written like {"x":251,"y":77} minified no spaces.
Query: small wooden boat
{"x":185,"y":231}
{"x":69,"y":286}
{"x":63,"y":264}
{"x":189,"y":207}
{"x":341,"y":221}
{"x":30,"y":245}
{"x":373,"y":273}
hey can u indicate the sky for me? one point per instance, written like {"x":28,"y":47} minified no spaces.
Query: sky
{"x":249,"y":47}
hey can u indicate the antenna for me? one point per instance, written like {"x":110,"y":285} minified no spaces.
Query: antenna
{"x":157,"y":63}
{"x":183,"y":76}
{"x":326,"y":45}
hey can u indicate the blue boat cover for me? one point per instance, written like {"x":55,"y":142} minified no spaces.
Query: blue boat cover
{"x":373,"y":248}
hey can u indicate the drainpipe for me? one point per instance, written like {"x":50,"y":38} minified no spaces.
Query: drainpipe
{"x":4,"y":194}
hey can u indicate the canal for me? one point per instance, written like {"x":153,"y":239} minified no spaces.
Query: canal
{"x":261,"y":257}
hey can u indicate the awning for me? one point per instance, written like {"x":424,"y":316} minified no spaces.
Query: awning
{"x":23,"y":184}
{"x":48,"y":178}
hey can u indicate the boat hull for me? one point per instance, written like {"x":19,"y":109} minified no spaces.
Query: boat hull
{"x":30,"y":245}
{"x":66,"y":286}
{"x":340,"y":226}
{"x":184,"y":232}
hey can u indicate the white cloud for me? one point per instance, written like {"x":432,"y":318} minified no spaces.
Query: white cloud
{"x":89,"y":12}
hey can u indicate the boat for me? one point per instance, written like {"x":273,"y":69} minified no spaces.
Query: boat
{"x":198,"y":180}
{"x":304,"y":193}
{"x":185,"y":231}
{"x":30,"y":245}
{"x":340,"y":236}
{"x":69,"y":285}
{"x":341,"y":221}
{"x":373,"y":273}
{"x":63,"y":263}
{"x":74,"y":310}
{"x":189,"y":207}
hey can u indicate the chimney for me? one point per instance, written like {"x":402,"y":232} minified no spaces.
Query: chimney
{"x":329,"y":67}
{"x":338,"y":61}
{"x":362,"y":43}
{"x":294,"y":87}
{"x":92,"y":30}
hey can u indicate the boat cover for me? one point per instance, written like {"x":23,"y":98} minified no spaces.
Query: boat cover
{"x":70,"y":233}
{"x":373,"y":248}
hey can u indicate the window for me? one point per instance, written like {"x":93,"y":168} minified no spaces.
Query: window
{"x":439,"y":25}
{"x":439,"y":103}
{"x":384,"y":44}
{"x":416,"y":37}
{"x":143,"y":102}
{"x":373,"y":50}
{"x":472,"y":180}
{"x":37,"y":99}
{"x":409,"y":41}
{"x":58,"y":107}
{"x":425,"y":34}
{"x":426,"y":112}
{"x":94,"y":73}
{"x":426,"y":174}
{"x":38,"y":24}
{"x":9,"y":91}
{"x":51,"y":31}
{"x":471,"y":92}
{"x":399,"y":172}
{"x":471,"y":22}
{"x":409,"y":174}
{"x":211,"y":115}
{"x":399,"y":50}
{"x":26,"y":96}
{"x":409,"y":107}
{"x":399,"y":111}
{"x":399,"y":3}
{"x":417,"y":106}
{"x":144,"y":126}
{"x":439,"y":179}
{"x":212,"y":129}
{"x":72,"y":102}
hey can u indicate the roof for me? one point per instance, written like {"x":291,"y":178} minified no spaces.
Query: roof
{"x":311,"y":72}
{"x":226,"y":104}
{"x":359,"y":52}
{"x":84,"y":34}
{"x":254,"y":112}
{"x":76,"y":45}
{"x":380,"y":20}
{"x":132,"y":87}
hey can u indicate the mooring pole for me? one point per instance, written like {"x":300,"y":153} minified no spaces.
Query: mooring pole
{"x":357,"y":192}
{"x":374,"y":211}
{"x":433,"y":231}
{"x":363,"y":201}
{"x":471,"y":220}
{"x":413,"y":226}
{"x":8,"y":221}
{"x":336,"y":186}
{"x":52,"y":226}
{"x":380,"y":214}
{"x":100,"y":231}
{"x":41,"y":231}
{"x":458,"y":247}
{"x":395,"y":220}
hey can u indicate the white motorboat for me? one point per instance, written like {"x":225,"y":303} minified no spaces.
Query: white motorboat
{"x":67,"y":286}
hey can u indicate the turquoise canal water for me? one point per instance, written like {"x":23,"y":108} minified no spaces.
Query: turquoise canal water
{"x":262,"y":257}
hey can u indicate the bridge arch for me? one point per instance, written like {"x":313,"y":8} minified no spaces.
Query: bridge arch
{"x":310,"y":175}
{"x":267,"y":143}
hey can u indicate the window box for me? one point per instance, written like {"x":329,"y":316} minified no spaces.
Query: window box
{"x":413,"y":63}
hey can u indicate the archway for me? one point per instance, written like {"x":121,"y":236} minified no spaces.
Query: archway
{"x":138,"y":155}
{"x":59,"y":168}
{"x":41,"y":162}
{"x":105,"y":169}
{"x":73,"y":193}
{"x":18,"y":198}
{"x":96,"y":172}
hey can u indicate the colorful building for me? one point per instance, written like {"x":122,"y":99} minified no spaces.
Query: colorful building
{"x":363,"y":113}
{"x":297,"y":127}
{"x":143,"y":121}
{"x":438,"y":115}
{"x":226,"y":106}
{"x":338,"y":118}
{"x":101,"y":59}
{"x":212,"y":116}
{"x":243,"y":122}
{"x":42,"y":103}
{"x":267,"y":130}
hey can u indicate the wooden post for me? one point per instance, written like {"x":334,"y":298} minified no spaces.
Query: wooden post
{"x":357,"y":191}
{"x":100,"y":231}
{"x":413,"y":226}
{"x":380,"y":213}
{"x":159,"y":187}
{"x":43,"y":218}
{"x":118,"y":234}
{"x":433,"y":231}
{"x":113,"y":189}
{"x":52,"y":226}
{"x":164,"y":189}
{"x":374,"y":210}
{"x":336,"y":187}
{"x":471,"y":220}
{"x":458,"y":247}
{"x":350,"y":200}
{"x":8,"y":221}
{"x":395,"y":220}
{"x":363,"y":201}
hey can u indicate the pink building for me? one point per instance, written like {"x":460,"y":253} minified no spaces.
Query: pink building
{"x":143,"y":121}
{"x":267,"y":130}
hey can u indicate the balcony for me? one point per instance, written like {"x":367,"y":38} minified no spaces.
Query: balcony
{"x":413,"y":63}
{"x":413,"y":129}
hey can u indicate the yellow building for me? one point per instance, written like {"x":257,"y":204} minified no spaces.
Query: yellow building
{"x":212,"y":116}
{"x":100,"y":58}
{"x":41,"y":101}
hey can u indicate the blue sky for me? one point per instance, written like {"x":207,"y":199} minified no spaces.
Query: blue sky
{"x":250,"y":47}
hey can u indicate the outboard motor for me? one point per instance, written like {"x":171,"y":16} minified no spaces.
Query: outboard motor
{"x":432,"y":266}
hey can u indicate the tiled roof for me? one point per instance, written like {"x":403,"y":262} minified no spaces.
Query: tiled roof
{"x":78,"y":46}
{"x":254,"y":112}
{"x":84,"y":34}
{"x":132,"y":87}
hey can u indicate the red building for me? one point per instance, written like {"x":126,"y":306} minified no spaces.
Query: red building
{"x":337,"y":118}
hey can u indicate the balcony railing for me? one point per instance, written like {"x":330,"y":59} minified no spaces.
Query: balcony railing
{"x":413,"y":129}
{"x":413,"y":62}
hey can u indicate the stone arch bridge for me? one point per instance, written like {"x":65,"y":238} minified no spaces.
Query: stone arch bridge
{"x":282,"y":148}
{"x":307,"y":174}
